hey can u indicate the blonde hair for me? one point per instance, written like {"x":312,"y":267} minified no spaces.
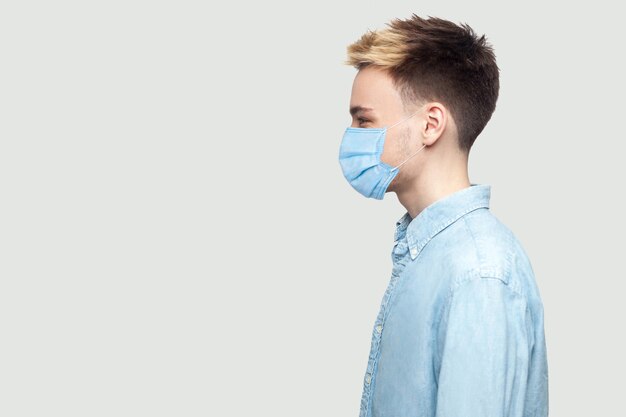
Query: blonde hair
{"x":386,"y":48}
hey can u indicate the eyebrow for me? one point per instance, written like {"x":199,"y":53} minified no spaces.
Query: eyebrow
{"x":359,"y":109}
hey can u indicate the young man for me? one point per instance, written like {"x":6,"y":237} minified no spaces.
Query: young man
{"x":460,"y":331}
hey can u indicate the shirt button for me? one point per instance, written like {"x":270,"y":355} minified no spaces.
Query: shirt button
{"x":413,"y":252}
{"x":379,"y":328}
{"x":368,"y":378}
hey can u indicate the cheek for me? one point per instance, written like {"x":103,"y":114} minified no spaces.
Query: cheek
{"x":405,"y":145}
{"x":392,"y":150}
{"x":396,"y":146}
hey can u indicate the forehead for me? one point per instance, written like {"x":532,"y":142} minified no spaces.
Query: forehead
{"x":373,"y":87}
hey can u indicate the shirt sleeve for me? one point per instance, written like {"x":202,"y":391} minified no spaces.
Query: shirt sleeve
{"x":484,"y":348}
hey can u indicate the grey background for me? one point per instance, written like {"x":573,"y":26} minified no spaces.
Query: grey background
{"x":176,"y":235}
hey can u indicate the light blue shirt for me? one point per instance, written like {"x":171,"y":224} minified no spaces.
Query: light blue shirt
{"x":460,"y":331}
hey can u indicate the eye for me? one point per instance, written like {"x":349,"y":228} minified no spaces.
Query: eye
{"x":362,"y":120}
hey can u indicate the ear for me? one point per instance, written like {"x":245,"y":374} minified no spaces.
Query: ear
{"x":434,"y":122}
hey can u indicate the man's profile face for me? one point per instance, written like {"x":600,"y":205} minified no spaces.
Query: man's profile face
{"x":376,"y":103}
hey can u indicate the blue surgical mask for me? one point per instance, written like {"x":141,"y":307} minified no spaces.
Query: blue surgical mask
{"x":359,"y":156}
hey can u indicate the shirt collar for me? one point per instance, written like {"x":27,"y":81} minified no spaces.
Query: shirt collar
{"x":439,"y":215}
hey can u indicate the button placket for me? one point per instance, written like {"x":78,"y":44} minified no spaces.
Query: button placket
{"x":400,"y":257}
{"x":369,"y":380}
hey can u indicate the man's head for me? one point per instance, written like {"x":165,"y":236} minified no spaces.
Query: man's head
{"x":433,"y":66}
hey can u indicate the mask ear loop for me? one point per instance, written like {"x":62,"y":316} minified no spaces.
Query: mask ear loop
{"x":403,"y":120}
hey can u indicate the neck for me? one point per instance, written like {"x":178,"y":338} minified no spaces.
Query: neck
{"x":432,"y":186}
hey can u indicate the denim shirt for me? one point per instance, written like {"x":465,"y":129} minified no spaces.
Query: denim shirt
{"x":460,"y":331}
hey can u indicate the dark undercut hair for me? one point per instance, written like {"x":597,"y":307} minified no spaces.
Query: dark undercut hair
{"x":436,"y":60}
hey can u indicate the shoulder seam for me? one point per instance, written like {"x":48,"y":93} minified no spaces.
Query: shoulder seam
{"x":479,"y":276}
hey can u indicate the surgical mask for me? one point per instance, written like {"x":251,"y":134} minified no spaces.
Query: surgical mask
{"x":359,"y":156}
